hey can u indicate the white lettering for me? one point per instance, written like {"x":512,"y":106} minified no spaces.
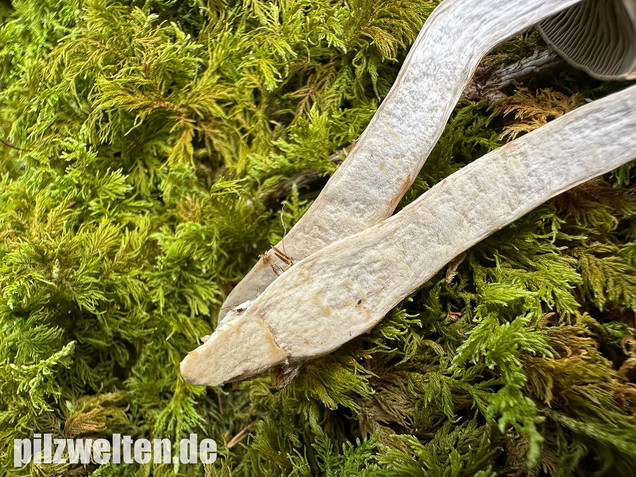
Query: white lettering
{"x":162,"y":451}
{"x":188,"y":450}
{"x":79,"y":450}
{"x":207,"y":451}
{"x":60,"y":445}
{"x":126,"y":443}
{"x":101,"y":451}
{"x":142,"y":451}
{"x":21,"y":452}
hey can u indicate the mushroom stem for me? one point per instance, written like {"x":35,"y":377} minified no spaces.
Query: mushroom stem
{"x":344,"y":289}
{"x":367,"y":187}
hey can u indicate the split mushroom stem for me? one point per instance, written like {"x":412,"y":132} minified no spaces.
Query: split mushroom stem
{"x":387,"y":157}
{"x":346,"y":288}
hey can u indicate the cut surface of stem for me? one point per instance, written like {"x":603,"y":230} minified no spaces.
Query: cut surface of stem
{"x":344,"y":289}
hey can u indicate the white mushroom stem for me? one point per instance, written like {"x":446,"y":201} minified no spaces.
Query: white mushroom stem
{"x":344,"y":289}
{"x":367,"y":187}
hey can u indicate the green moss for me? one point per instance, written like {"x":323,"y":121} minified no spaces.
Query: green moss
{"x":140,"y":142}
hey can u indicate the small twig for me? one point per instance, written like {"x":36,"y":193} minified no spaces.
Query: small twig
{"x":282,"y":375}
{"x":219,"y":401}
{"x":488,"y":83}
{"x":304,"y":180}
{"x":11,"y":146}
{"x":241,"y":435}
{"x":451,"y":271}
